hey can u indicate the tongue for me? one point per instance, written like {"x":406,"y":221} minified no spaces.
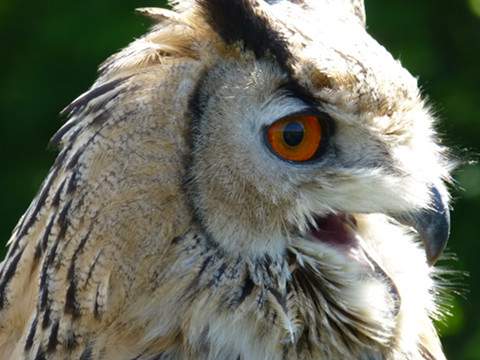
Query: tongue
{"x":333,"y":230}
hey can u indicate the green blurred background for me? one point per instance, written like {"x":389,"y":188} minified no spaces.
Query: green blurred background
{"x":50,"y":51}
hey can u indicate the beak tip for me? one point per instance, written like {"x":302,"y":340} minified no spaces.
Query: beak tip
{"x":436,"y":236}
{"x":438,"y":231}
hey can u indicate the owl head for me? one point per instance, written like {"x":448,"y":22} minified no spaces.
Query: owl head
{"x":298,"y":115}
{"x":296,"y":160}
{"x":309,"y":141}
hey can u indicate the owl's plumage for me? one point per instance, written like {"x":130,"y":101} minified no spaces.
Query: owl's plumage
{"x":168,"y":229}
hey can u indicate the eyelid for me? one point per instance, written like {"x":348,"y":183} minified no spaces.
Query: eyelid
{"x":294,"y":89}
{"x":312,"y":111}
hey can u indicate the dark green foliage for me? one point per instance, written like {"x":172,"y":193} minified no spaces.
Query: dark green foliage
{"x":50,"y":51}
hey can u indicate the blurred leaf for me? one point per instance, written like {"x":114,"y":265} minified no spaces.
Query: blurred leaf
{"x":475,"y":6}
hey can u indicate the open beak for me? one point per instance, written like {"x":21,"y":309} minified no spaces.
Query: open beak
{"x":432,"y":225}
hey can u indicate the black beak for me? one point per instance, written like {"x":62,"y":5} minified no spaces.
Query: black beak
{"x":432,"y":225}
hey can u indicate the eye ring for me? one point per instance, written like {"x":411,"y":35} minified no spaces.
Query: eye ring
{"x":297,"y":138}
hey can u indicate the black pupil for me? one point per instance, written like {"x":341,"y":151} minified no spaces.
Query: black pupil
{"x":293,"y":133}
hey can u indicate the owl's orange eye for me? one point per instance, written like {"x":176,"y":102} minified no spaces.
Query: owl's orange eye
{"x":296,"y":138}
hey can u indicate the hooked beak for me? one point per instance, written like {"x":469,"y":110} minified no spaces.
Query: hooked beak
{"x":432,"y":225}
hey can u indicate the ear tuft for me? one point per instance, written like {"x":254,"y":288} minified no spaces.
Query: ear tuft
{"x":246,"y":22}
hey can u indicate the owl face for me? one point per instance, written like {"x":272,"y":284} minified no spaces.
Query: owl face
{"x":272,"y":158}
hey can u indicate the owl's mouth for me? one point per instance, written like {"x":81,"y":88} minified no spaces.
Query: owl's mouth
{"x":338,"y":230}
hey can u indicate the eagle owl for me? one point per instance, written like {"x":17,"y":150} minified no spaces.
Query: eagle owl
{"x":251,"y":180}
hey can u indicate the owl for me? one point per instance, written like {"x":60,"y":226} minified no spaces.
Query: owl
{"x":251,"y":180}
